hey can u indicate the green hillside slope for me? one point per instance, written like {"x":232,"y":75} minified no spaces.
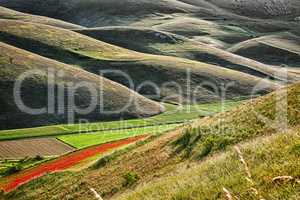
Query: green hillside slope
{"x":261,"y":8}
{"x":277,"y":49}
{"x":94,"y":55}
{"x":269,"y":114}
{"x":6,"y":13}
{"x":266,"y":168}
{"x":34,"y":92}
{"x":163,"y":43}
{"x":101,"y":12}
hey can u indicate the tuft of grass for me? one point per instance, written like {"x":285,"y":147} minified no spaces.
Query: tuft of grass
{"x":130,"y":178}
{"x":296,"y":149}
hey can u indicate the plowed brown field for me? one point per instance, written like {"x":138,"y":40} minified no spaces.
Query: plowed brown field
{"x":18,"y":149}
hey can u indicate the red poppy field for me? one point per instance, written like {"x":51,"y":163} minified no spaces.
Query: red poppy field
{"x":12,"y":182}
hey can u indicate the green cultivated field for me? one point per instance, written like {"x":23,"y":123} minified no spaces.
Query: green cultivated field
{"x":89,"y":139}
{"x":8,"y":167}
{"x":174,"y":114}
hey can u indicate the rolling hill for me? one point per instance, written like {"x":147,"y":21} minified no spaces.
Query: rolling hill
{"x":277,"y":49}
{"x":164,"y":43}
{"x":282,"y":9}
{"x":174,"y":51}
{"x":166,"y":171}
{"x":193,"y":27}
{"x":94,"y":55}
{"x":6,"y":13}
{"x":34,"y":92}
{"x":101,"y":12}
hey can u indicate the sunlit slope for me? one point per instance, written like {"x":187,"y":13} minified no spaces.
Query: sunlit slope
{"x":198,"y":28}
{"x":94,"y":55}
{"x":281,"y":9}
{"x":34,"y":92}
{"x":267,"y":167}
{"x":266,"y":115}
{"x":101,"y":12}
{"x":6,"y":13}
{"x":164,"y":43}
{"x":272,"y":49}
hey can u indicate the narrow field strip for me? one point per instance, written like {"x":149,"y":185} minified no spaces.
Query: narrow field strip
{"x":12,"y":182}
{"x":81,"y":141}
{"x":19,"y":149}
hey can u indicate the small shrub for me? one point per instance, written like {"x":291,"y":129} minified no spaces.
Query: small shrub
{"x":207,"y":147}
{"x":130,"y":179}
{"x":13,"y":169}
{"x":24,"y":160}
{"x":102,"y":162}
{"x":115,"y":190}
{"x":185,"y":140}
{"x":296,"y":149}
{"x":38,"y":158}
{"x":2,"y":193}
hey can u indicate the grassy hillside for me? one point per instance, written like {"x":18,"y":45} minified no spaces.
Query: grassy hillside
{"x":161,"y":170}
{"x":193,"y":27}
{"x":101,"y":12}
{"x":164,"y":43}
{"x":266,"y":115}
{"x":94,"y":55}
{"x":277,"y":49}
{"x":34,"y":91}
{"x":281,"y":15}
{"x":6,"y":13}
{"x":261,"y":8}
{"x":225,"y":174}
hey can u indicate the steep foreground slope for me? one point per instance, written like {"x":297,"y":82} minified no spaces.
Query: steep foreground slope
{"x":35,"y":90}
{"x":6,"y":13}
{"x":265,"y":168}
{"x":173,"y":166}
{"x":204,"y":83}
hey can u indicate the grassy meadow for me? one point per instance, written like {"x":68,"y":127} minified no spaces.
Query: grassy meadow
{"x":259,"y":176}
{"x":173,"y":114}
{"x":84,"y":140}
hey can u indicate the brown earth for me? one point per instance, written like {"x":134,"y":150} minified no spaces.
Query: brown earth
{"x":18,"y":149}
